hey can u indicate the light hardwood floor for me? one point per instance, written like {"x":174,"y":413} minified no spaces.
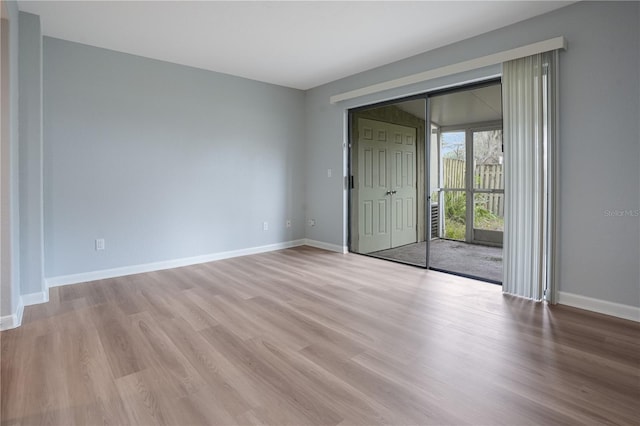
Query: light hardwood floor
{"x":305,"y":337}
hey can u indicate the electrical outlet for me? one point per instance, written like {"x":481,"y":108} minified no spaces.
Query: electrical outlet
{"x":265,"y":226}
{"x":288,"y":223}
{"x":312,"y":222}
{"x":100,"y":244}
{"x":329,"y":173}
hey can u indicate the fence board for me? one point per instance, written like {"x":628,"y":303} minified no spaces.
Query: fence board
{"x":486,"y":176}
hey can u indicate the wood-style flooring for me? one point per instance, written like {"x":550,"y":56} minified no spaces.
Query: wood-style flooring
{"x":308,"y":337}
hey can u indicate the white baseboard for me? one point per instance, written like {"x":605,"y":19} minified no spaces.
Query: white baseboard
{"x":8,"y":322}
{"x":326,"y":246}
{"x":12,"y":321}
{"x":167,"y":264}
{"x":601,"y":306}
{"x":35,"y":298}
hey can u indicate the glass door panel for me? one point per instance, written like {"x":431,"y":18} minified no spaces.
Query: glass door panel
{"x":487,"y":160}
{"x":467,"y":192}
{"x":455,"y":215}
{"x":488,"y":187}
{"x":453,"y":155}
{"x":488,"y":212}
{"x":388,"y":194}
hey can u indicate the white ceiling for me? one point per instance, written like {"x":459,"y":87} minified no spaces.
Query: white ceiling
{"x":416,"y":107}
{"x":480,"y":105}
{"x":467,"y":107}
{"x":294,"y":44}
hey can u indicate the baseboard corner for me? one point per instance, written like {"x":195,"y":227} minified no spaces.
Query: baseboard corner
{"x":35,"y":298}
{"x":326,"y":246}
{"x":14,"y":320}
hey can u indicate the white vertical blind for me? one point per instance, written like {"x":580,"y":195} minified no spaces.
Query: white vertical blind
{"x":529,"y":99}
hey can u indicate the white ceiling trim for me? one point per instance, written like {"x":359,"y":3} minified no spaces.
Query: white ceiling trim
{"x":471,"y":64}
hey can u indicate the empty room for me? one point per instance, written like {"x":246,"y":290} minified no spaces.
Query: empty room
{"x":319,"y":213}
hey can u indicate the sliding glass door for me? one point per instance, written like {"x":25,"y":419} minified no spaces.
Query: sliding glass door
{"x":428,"y":190}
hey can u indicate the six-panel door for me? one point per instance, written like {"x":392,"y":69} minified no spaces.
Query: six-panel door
{"x":386,"y":185}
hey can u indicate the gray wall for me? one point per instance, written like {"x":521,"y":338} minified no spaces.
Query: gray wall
{"x":166,"y":161}
{"x":30,"y":129}
{"x":163,"y":161}
{"x":10,"y":275}
{"x":599,"y":137}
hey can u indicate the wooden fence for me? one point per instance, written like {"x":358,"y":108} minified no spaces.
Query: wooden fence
{"x":486,"y":176}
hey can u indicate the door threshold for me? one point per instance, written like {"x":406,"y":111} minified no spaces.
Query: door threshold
{"x":388,"y":259}
{"x":460,"y":274}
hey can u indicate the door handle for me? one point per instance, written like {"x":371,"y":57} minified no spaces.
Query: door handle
{"x":393,"y":192}
{"x":390,"y":192}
